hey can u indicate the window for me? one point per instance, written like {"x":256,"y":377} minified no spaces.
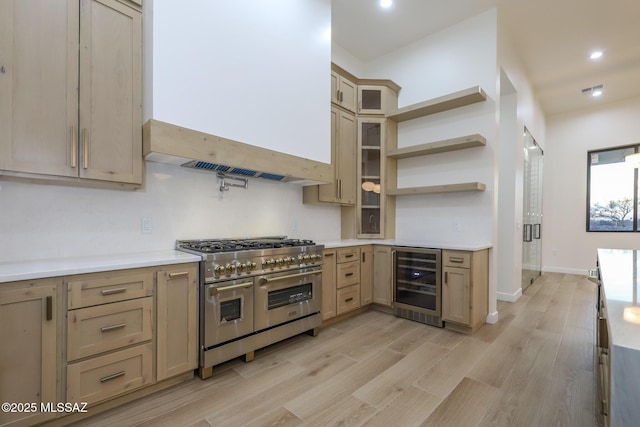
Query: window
{"x":612,"y":190}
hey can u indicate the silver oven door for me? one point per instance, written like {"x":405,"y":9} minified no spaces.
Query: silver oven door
{"x":281,"y":297}
{"x":228,"y":311}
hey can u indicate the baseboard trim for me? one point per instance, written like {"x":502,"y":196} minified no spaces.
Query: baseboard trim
{"x":577,"y":271}
{"x":503,"y":296}
{"x":492,"y":317}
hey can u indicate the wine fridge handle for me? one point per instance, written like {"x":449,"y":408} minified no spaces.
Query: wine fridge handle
{"x":393,"y":276}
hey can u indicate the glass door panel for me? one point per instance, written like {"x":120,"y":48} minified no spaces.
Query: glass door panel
{"x":370,"y":177}
{"x":532,"y":211}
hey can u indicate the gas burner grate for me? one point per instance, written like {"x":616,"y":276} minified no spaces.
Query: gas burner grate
{"x":233,"y":245}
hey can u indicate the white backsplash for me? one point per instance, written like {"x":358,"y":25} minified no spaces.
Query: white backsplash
{"x":48,"y":221}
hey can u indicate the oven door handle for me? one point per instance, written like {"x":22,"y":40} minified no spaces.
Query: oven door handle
{"x":290,"y":276}
{"x":215,"y":291}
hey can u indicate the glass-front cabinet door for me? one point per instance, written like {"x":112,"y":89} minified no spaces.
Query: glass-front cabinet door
{"x":371,"y":99}
{"x":370,"y":201}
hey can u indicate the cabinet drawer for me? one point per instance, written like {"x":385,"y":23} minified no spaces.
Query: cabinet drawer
{"x":107,"y":327}
{"x":348,"y":299}
{"x":348,"y":274}
{"x":456,"y":259}
{"x":348,"y":254}
{"x":101,"y":288}
{"x":106,"y":376}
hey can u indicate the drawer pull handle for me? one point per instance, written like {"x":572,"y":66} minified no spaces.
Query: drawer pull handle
{"x":113,"y":291}
{"x":112,"y":327}
{"x":49,"y":307}
{"x":178,"y":275}
{"x":329,"y":254}
{"x":348,"y":256}
{"x":111,"y":377}
{"x":74,"y":147}
{"x":456,"y":259}
{"x":217,"y":290}
{"x":85,"y":148}
{"x":348,"y":274}
{"x":349,"y":299}
{"x":290,"y":276}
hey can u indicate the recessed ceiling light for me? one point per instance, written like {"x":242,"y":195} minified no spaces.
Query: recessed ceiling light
{"x":597,"y":91}
{"x":386,"y":3}
{"x":596,"y":54}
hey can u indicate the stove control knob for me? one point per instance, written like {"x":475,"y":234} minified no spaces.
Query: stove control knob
{"x":279,"y":261}
{"x":219,"y":269}
{"x":229,"y":268}
{"x":306,"y":257}
{"x":250,"y":265}
{"x":241,"y":267}
{"x":268,"y":262}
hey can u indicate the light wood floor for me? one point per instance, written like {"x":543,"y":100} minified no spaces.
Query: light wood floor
{"x":535,"y":367}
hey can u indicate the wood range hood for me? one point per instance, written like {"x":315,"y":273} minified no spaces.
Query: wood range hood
{"x":167,"y":143}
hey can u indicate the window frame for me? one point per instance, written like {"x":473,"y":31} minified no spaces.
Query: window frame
{"x":635,"y":229}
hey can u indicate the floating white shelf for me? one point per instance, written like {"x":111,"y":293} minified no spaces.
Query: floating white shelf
{"x":437,"y":105}
{"x":435,"y":147}
{"x":434,"y":189}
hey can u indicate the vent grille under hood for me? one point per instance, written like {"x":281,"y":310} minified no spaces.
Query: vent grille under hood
{"x":230,"y":170}
{"x":167,"y":143}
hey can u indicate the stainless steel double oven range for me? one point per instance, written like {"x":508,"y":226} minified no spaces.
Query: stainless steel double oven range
{"x":254,"y":292}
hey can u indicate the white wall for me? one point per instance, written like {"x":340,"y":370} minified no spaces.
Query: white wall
{"x":260,"y":81}
{"x":457,"y":58}
{"x":567,"y":247}
{"x":40,"y":221}
{"x":519,"y":109}
{"x":255,"y":72}
{"x":347,"y":61}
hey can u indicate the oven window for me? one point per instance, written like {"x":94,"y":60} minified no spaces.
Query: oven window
{"x":292,"y":295}
{"x":230,"y":310}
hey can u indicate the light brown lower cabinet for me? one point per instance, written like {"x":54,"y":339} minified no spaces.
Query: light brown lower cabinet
{"x":348,"y":299}
{"x":95,"y":330}
{"x":124,"y":330}
{"x":465,"y":279}
{"x":176,"y":320}
{"x":366,"y":275}
{"x":328,"y":309}
{"x":30,"y":362}
{"x":108,"y":312}
{"x":347,"y":279}
{"x":382,"y":272}
{"x":99,"y":378}
{"x":604,"y":354}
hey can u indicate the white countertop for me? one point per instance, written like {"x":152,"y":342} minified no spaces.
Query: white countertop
{"x":620,"y":274}
{"x":418,"y":244}
{"x":38,"y":269}
{"x":54,"y":267}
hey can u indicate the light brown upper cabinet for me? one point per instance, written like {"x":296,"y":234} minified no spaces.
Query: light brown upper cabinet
{"x":343,"y":92}
{"x":71,"y":78}
{"x":343,"y":158}
{"x":372,"y":99}
{"x":374,"y":218}
{"x":343,"y":151}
